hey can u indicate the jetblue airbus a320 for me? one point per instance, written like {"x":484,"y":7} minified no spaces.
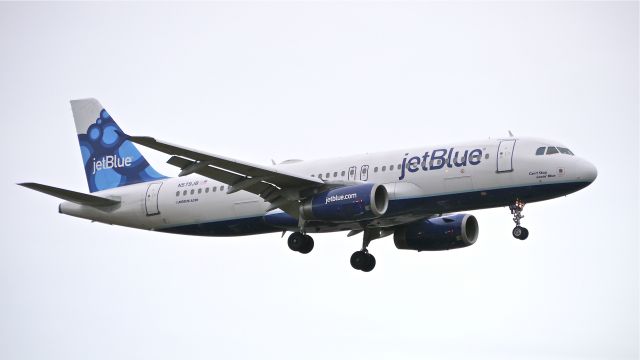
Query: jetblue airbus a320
{"x":410,"y":193}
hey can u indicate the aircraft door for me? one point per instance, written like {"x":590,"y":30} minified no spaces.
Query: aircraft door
{"x":351,"y":175}
{"x":505,"y":155}
{"x":364,"y":173}
{"x":151,"y":199}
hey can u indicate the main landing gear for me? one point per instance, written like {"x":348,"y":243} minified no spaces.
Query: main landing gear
{"x":361,"y":259}
{"x":518,"y":232}
{"x":300,"y":242}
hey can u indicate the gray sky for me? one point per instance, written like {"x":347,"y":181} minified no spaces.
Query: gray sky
{"x":258,"y":81}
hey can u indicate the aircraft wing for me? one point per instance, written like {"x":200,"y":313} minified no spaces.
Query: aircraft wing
{"x":281,"y":189}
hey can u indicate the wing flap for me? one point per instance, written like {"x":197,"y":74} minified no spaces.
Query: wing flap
{"x":72,"y":196}
{"x":254,"y":185}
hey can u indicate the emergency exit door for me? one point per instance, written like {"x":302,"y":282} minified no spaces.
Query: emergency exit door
{"x":351,"y":175}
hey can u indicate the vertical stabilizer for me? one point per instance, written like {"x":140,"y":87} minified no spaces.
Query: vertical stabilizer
{"x":110,"y":160}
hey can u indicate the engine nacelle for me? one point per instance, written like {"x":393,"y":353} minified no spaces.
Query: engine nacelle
{"x":348,"y":203}
{"x":441,"y":233}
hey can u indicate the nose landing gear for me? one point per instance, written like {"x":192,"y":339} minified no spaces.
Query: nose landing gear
{"x":518,"y":232}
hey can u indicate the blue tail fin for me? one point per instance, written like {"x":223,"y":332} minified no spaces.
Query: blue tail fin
{"x":110,"y":160}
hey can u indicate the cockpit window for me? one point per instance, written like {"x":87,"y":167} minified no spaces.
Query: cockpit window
{"x":551,"y":150}
{"x":540,"y":151}
{"x":565,"y":151}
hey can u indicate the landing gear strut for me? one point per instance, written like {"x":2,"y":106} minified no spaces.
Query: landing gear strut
{"x":300,"y":242}
{"x":518,"y":232}
{"x":362,"y":260}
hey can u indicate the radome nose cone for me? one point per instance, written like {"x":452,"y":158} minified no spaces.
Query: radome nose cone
{"x":590,"y":171}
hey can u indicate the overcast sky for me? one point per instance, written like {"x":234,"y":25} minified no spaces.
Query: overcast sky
{"x":262,"y":81}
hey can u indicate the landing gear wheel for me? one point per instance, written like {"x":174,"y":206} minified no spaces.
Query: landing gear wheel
{"x":363,"y":261}
{"x":300,"y":242}
{"x":308,"y":245}
{"x":357,"y":259}
{"x":295,"y":241}
{"x":520,"y":232}
{"x":370,"y":263}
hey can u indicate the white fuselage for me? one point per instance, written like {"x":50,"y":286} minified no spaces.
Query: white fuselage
{"x":420,"y":182}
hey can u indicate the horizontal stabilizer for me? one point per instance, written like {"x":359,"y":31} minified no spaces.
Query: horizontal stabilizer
{"x":72,"y":196}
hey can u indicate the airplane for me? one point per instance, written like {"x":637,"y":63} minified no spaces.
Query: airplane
{"x":413,"y":194}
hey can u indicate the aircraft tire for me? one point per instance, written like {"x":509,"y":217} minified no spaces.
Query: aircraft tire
{"x":517,"y":232}
{"x":520,"y":232}
{"x":296,"y":241}
{"x":363,"y":261}
{"x":369,"y":264}
{"x":307,"y":245}
{"x":358,"y":259}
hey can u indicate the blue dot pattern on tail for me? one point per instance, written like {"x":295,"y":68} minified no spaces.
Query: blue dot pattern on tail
{"x":110,"y":160}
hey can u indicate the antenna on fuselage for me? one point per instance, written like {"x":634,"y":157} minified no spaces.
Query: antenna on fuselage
{"x":510,"y":133}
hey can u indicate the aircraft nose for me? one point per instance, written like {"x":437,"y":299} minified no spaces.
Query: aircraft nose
{"x":588,"y":171}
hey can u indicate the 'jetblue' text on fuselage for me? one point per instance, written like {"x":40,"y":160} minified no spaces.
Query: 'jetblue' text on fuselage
{"x":438,"y":159}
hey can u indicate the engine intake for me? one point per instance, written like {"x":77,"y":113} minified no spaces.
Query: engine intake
{"x":441,"y":233}
{"x":348,"y":203}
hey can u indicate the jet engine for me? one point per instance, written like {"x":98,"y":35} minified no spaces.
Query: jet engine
{"x":347,"y":203}
{"x":440,"y":233}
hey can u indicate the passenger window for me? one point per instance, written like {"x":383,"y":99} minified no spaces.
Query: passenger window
{"x":399,"y":166}
{"x":335,"y":174}
{"x":540,"y":151}
{"x":222,"y":188}
{"x":177,"y":193}
{"x":184,"y":193}
{"x":486,"y":156}
{"x":551,"y":150}
{"x":214,"y":189}
{"x":313,"y":175}
{"x":193,"y":191}
{"x":375,"y":169}
{"x":565,"y":151}
{"x":342,"y":173}
{"x":384,"y":168}
{"x":328,"y":175}
{"x":319,"y":176}
{"x":390,"y":167}
{"x":206,"y":190}
{"x":200,"y":191}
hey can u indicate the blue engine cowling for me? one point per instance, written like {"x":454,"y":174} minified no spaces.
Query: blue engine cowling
{"x":347,"y":203}
{"x":441,"y":233}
